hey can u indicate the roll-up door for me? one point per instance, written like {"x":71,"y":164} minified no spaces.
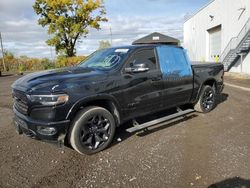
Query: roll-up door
{"x":214,"y":43}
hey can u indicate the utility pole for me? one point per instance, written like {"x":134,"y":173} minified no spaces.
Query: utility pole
{"x":4,"y":67}
{"x":51,"y":56}
{"x":111,"y":36}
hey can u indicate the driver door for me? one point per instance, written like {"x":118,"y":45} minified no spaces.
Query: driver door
{"x":143,"y":93}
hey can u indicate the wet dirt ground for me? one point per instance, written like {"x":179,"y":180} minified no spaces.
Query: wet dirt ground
{"x":205,"y":150}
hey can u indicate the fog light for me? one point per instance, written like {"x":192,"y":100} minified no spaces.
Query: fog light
{"x":46,"y":130}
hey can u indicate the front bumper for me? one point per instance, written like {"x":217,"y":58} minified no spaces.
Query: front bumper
{"x":30,"y":127}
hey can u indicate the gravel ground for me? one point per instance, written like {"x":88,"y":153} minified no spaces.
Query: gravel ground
{"x":211,"y":150}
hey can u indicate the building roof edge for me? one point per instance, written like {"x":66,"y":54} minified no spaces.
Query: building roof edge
{"x":196,"y":12}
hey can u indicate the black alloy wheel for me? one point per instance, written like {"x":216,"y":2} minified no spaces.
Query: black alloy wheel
{"x":95,"y":132}
{"x":92,"y":130}
{"x":206,"y":101}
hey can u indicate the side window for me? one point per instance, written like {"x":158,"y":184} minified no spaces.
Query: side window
{"x":173,"y":62}
{"x":180,"y":58}
{"x":146,"y":56}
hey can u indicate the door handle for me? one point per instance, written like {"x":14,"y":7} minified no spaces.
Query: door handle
{"x":155,"y":79}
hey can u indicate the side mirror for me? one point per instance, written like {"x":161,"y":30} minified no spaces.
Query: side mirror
{"x":137,"y":68}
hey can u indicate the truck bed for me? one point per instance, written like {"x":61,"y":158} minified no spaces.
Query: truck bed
{"x":207,"y":71}
{"x":197,"y":64}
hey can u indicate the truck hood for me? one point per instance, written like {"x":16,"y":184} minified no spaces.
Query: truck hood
{"x":53,"y":80}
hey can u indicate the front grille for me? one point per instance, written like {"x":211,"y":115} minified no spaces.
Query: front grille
{"x":20,"y":102}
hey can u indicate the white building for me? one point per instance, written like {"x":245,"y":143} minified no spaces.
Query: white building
{"x":220,"y":31}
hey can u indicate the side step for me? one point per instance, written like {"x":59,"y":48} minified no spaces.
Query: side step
{"x":157,"y":121}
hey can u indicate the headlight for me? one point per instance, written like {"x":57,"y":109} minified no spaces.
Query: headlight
{"x":49,"y":99}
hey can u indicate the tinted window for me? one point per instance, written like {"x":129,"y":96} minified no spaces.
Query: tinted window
{"x":173,"y":62}
{"x":144,"y":56}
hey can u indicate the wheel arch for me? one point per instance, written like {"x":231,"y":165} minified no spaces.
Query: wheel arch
{"x":105,"y":101}
{"x":209,"y":82}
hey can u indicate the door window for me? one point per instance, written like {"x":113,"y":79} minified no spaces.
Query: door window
{"x":146,"y":56}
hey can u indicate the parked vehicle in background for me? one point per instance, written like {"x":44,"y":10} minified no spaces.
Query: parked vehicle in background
{"x":86,"y":103}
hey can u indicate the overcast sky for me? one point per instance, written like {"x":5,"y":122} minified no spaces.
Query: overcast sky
{"x":129,"y":20}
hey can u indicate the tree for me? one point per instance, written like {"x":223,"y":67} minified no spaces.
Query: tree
{"x":104,"y":44}
{"x":68,"y":20}
{"x":8,"y":55}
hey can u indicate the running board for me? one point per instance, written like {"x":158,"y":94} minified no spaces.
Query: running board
{"x":157,"y":121}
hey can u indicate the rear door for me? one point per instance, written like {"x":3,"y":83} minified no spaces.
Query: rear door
{"x":177,"y":75}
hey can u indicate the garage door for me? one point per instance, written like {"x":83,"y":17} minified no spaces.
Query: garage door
{"x":214,"y":43}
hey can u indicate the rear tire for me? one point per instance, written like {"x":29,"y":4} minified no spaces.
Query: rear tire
{"x":92,"y":130}
{"x":206,"y":101}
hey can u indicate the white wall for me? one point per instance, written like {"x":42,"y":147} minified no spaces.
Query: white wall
{"x":226,"y":13}
{"x":242,"y":67}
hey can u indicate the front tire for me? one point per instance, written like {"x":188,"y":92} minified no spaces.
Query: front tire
{"x":92,"y":130}
{"x":206,"y":101}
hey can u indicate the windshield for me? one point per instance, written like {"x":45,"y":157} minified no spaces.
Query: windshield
{"x":105,"y":59}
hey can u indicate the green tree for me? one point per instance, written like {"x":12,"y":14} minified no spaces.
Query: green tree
{"x":68,"y":20}
{"x":104,"y":44}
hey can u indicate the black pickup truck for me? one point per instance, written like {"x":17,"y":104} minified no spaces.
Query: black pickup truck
{"x":86,"y":103}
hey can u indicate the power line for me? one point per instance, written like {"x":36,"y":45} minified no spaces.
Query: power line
{"x":133,"y":34}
